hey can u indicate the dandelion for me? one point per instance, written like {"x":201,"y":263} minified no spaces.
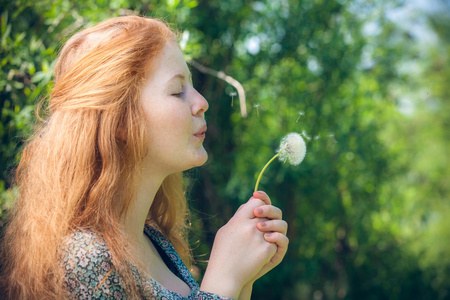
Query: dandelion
{"x":292,"y":149}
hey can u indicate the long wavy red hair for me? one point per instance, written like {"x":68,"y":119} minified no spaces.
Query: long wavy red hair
{"x":81,"y":167}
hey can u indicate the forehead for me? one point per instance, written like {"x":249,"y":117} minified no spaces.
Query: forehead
{"x":170,"y":62}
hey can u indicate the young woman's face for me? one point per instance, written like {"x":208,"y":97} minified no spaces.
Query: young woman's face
{"x":175,"y":115}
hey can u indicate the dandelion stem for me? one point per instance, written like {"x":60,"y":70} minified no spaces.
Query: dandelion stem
{"x":262,"y":171}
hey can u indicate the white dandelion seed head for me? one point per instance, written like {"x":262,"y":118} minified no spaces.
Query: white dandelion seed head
{"x":292,"y":148}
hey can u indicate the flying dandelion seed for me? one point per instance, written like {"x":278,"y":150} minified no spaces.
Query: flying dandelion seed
{"x":292,"y":149}
{"x":306,"y":135}
{"x":429,"y":90}
{"x":232,"y":94}
{"x":331,"y":135}
{"x":257,"y":108}
{"x":300,"y":114}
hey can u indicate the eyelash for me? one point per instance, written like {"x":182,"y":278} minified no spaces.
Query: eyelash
{"x":178,"y":94}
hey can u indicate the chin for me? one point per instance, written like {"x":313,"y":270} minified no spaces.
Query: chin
{"x":202,"y":158}
{"x":197,"y":159}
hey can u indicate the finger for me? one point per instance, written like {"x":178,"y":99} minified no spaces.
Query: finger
{"x":281,"y":241}
{"x":277,"y":238}
{"x":268,"y":211}
{"x":245,"y":205}
{"x":246,"y":209}
{"x":273,"y":226}
{"x":262,"y":196}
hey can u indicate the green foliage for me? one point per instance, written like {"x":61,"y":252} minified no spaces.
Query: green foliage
{"x":366,"y":209}
{"x":422,"y":188}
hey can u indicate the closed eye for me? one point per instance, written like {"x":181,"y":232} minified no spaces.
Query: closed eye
{"x":178,"y":94}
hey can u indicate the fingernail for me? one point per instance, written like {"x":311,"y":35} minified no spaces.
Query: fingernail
{"x":259,"y":210}
{"x":268,"y":234}
{"x":262,"y":224}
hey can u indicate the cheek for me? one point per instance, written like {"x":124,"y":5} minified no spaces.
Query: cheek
{"x":168,"y":123}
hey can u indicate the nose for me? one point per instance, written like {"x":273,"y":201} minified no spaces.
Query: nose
{"x":199,"y":105}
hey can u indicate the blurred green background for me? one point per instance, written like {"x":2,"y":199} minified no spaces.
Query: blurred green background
{"x":365,"y":82}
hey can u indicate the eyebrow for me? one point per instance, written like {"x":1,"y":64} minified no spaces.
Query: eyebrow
{"x":179,"y":75}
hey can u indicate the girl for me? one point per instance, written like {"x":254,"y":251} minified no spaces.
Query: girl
{"x":101,"y":211}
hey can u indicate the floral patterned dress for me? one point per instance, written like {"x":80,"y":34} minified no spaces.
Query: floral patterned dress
{"x":89,"y":272}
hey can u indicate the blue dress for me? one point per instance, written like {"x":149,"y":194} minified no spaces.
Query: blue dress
{"x":89,"y":272}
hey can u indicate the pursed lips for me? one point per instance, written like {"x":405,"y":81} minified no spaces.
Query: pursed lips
{"x":201,"y":132}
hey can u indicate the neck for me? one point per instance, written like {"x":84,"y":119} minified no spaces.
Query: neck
{"x":134,"y":221}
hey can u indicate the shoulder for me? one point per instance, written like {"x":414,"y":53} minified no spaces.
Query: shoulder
{"x":85,"y":250}
{"x":84,"y":240}
{"x":87,"y":264}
